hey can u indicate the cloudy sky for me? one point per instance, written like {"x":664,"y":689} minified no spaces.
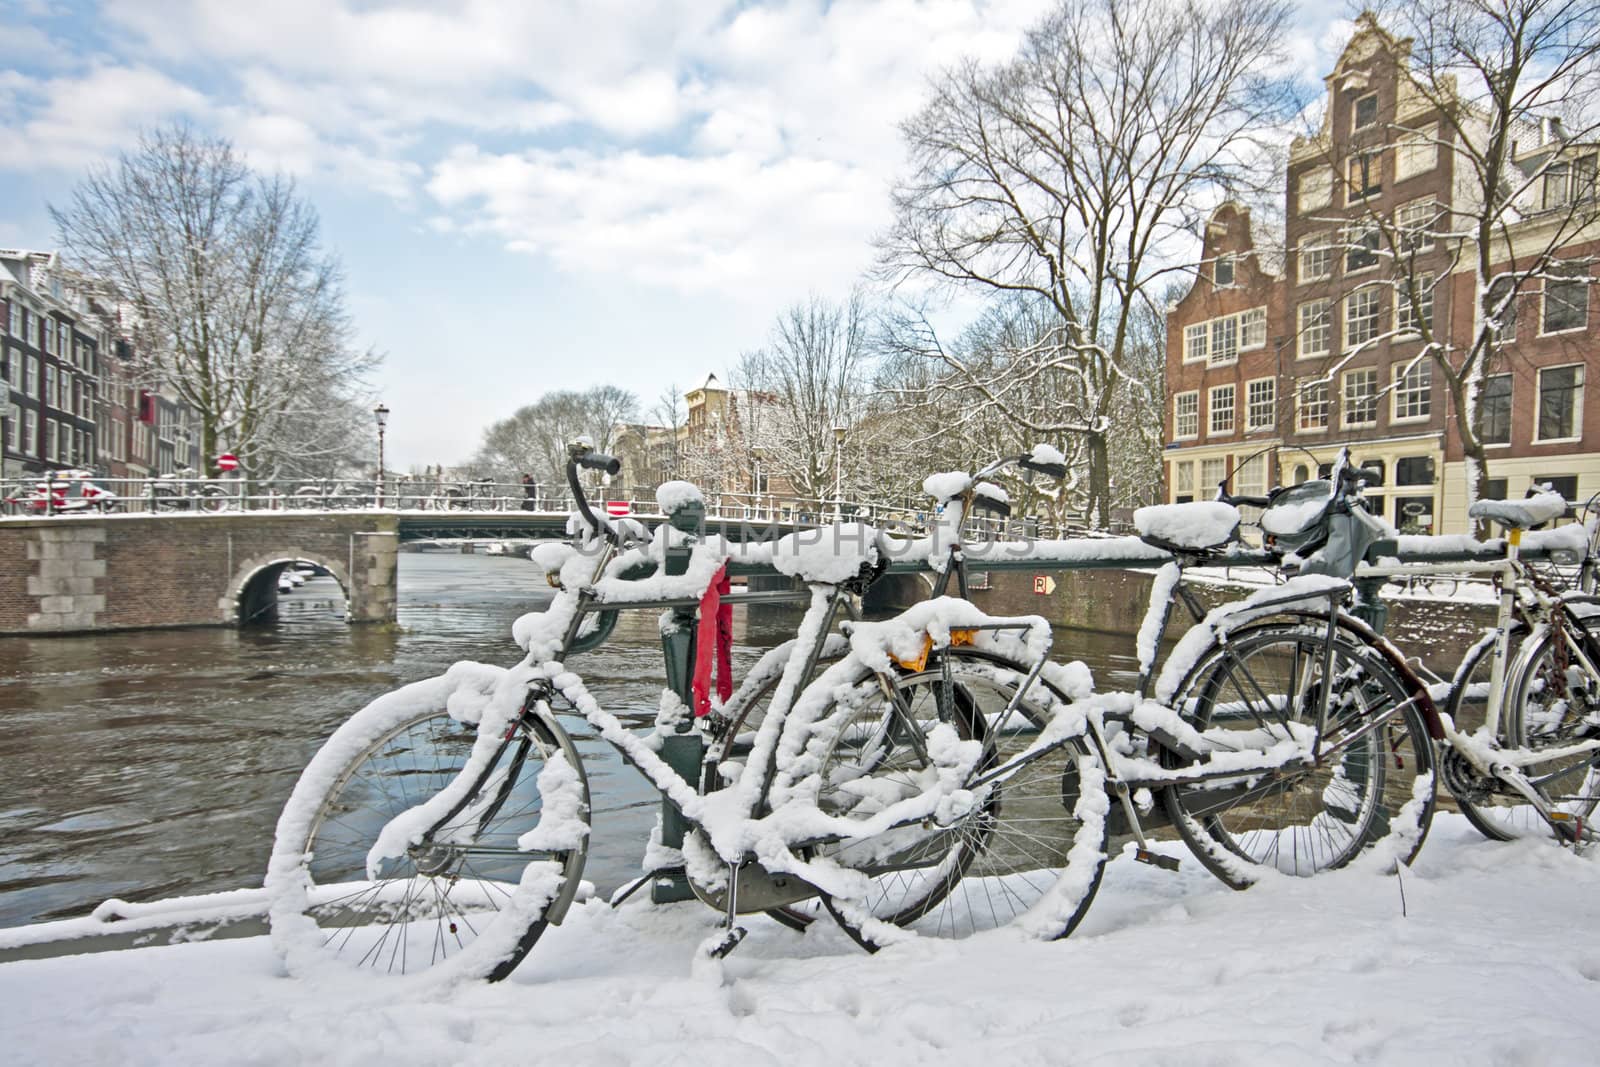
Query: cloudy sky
{"x":526,"y":194}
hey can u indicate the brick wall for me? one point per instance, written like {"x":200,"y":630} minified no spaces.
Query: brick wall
{"x":138,"y":571}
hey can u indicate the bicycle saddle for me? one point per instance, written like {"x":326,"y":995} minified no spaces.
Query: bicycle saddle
{"x":1520,"y":514}
{"x":1192,"y":527}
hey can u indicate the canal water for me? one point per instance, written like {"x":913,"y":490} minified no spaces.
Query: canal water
{"x":153,"y":764}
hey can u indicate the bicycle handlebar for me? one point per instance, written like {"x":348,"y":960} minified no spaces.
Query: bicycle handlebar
{"x":599,"y":461}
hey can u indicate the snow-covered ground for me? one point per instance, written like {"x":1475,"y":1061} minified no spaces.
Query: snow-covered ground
{"x":1497,"y":961}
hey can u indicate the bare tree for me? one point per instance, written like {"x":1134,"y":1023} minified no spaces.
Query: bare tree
{"x":1505,"y":96}
{"x":667,"y":453}
{"x":801,"y":388}
{"x":235,"y":305}
{"x":534,"y":439}
{"x":1077,"y":173}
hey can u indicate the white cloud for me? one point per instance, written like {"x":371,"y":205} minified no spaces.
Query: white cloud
{"x":69,"y":122}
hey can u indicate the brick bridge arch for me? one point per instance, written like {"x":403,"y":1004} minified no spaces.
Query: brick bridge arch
{"x":138,"y":571}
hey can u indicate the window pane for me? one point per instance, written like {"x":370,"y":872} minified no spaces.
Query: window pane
{"x":1566,"y":305}
{"x":1559,"y":389}
{"x":1494,"y":407}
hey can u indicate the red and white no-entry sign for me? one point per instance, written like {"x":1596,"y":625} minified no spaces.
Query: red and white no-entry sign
{"x":227,"y":462}
{"x":617,"y":507}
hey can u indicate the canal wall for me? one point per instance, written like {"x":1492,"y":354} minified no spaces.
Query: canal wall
{"x":124,"y":572}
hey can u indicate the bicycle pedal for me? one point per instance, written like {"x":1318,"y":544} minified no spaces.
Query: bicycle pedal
{"x":728,"y":943}
{"x":1156,"y":859}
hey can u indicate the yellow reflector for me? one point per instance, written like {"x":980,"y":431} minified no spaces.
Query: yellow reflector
{"x":921,"y":660}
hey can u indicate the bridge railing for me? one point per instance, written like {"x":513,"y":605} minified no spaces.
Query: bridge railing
{"x":81,"y":493}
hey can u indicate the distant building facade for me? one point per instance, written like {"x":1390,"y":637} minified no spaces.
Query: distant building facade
{"x":1298,"y":344}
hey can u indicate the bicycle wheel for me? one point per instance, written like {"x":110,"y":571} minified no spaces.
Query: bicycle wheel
{"x":466,"y":902}
{"x":1022,"y":853}
{"x":1552,"y":702}
{"x":1264,"y":686}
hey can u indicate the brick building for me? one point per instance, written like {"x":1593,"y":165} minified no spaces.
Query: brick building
{"x":51,"y":367}
{"x":1301,"y":343}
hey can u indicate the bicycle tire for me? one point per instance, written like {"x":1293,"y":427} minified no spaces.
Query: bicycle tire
{"x":1021,"y":853}
{"x":1302,"y":821}
{"x":1543,"y":708}
{"x":447,"y":910}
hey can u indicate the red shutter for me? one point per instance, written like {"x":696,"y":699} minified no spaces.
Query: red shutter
{"x":147,"y":407}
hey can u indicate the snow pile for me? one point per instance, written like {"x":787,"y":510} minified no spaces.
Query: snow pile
{"x":1530,"y":511}
{"x":675,"y":495}
{"x":1296,"y":509}
{"x":1199,"y":524}
{"x":946,"y":486}
{"x":1329,"y":969}
{"x":1047,"y":454}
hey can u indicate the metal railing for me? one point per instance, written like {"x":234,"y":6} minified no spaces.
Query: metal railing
{"x":78,"y":494}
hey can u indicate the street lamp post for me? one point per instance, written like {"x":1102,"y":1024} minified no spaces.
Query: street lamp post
{"x":381,"y":413}
{"x":838,"y":471}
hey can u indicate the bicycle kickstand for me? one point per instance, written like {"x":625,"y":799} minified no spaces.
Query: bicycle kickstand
{"x":735,"y":933}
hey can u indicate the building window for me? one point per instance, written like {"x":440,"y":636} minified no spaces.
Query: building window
{"x":1416,"y":222}
{"x":1504,"y":303}
{"x":1196,"y":340}
{"x":16,"y":321}
{"x":1221,"y":407}
{"x":1414,"y":318}
{"x":1186,"y":415}
{"x":1413,"y":392}
{"x":1360,"y":317}
{"x":1413,"y":470}
{"x":50,"y":335}
{"x":14,"y":428}
{"x":1314,"y":189}
{"x":50,"y":439}
{"x":1311,"y":406}
{"x":1365,"y":112}
{"x":1183,"y":482}
{"x":1261,"y":404}
{"x":1494,"y":410}
{"x":1316,"y":259}
{"x":1315,"y":328}
{"x":1222,"y":272}
{"x":1560,"y":400}
{"x":1361,"y":248}
{"x":1566,"y":301}
{"x":30,"y":428}
{"x":1364,"y":175}
{"x":1417,"y":153}
{"x":1360,"y":406}
{"x":1252,"y":329}
{"x":1212,"y":474}
{"x":1565,"y":484}
{"x":1569,"y":181}
{"x":50,"y":394}
{"x":1250,"y":476}
{"x":1224,"y":340}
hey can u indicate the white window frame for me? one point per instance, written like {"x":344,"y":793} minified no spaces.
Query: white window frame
{"x":30,"y":423}
{"x":1412,"y":392}
{"x":1324,"y":330}
{"x":49,"y":439}
{"x":1179,"y":415}
{"x":1183,"y":478}
{"x":1253,"y":403}
{"x":1312,"y":249}
{"x":1212,"y":473}
{"x":1213,"y":429}
{"x":1365,"y":294}
{"x":14,"y":428}
{"x":1314,"y":189}
{"x":1354,"y":236}
{"x":1544,"y":290}
{"x":1250,"y":475}
{"x":1416,"y":217}
{"x":1511,"y":396}
{"x":1367,"y":400}
{"x":1416,"y":153}
{"x":1577,"y":404}
{"x":1364,"y":163}
{"x":1196,"y":342}
{"x":1224,"y":341}
{"x":1405,"y":319}
{"x":1253,"y":329}
{"x":1355,"y":110}
{"x":1303,"y":408}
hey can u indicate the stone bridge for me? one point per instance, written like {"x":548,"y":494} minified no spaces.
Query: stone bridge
{"x":128,"y":572}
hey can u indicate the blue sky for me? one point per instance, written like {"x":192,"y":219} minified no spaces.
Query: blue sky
{"x":525,"y":194}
